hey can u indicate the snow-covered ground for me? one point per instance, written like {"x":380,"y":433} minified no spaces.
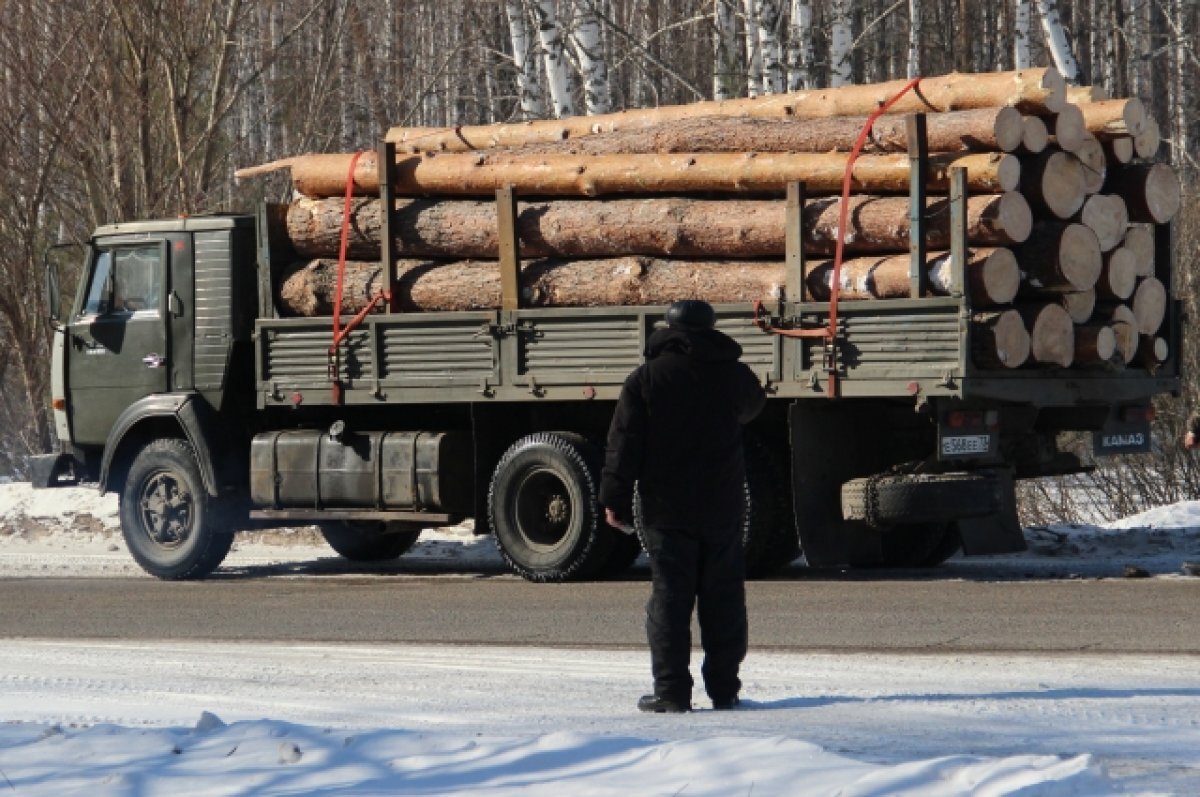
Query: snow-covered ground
{"x":181,"y":718}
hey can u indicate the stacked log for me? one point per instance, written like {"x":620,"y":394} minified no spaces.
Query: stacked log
{"x":649,"y":206}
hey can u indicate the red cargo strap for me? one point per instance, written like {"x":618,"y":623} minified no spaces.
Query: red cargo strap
{"x":830,"y":332}
{"x":339,"y":332}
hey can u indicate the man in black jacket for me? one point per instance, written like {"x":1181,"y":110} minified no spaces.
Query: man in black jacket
{"x":677,"y":433}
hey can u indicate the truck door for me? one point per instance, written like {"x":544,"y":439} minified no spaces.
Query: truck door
{"x":117,"y":340}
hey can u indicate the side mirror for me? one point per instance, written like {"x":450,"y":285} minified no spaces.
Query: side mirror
{"x":55,"y":259}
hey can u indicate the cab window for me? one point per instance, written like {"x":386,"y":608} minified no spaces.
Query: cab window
{"x":125,"y":280}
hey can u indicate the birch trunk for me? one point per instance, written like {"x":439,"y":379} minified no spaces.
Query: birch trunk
{"x":800,"y":47}
{"x":533,"y":104}
{"x":725,"y":60}
{"x":768,"y":39}
{"x":754,"y":73}
{"x":593,"y":63}
{"x":1056,"y":40}
{"x":554,"y":58}
{"x":841,"y":39}
{"x":1021,"y":30}
{"x":914,"y":38}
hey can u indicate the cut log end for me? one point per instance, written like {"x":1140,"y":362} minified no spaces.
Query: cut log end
{"x":1163,"y":193}
{"x":1014,"y":216}
{"x":1152,"y":352}
{"x":1079,"y":256}
{"x":1055,"y":86}
{"x":1149,"y":305}
{"x":1108,"y":217}
{"x":1001,"y":339}
{"x":1034,"y":135}
{"x":995,"y":277}
{"x":1095,"y":344}
{"x":1119,"y":150}
{"x":1068,"y":127}
{"x":1008,"y":129}
{"x":1139,"y":239}
{"x":1095,"y":164}
{"x":1079,"y":305}
{"x":1055,"y":183}
{"x":1008,"y":172}
{"x":1051,"y":335}
{"x":1119,"y":275}
{"x":1146,"y":142}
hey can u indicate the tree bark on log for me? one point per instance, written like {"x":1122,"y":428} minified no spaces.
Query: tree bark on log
{"x":1112,"y":118}
{"x":1051,"y":334}
{"x":1029,"y":91}
{"x":1080,"y":95}
{"x":1139,"y":239}
{"x":982,"y":130}
{"x":1118,"y":276}
{"x":310,"y":288}
{"x":583,"y":175}
{"x":992,"y":277}
{"x":1095,"y":344}
{"x":1151,"y":191}
{"x":999,"y":339}
{"x":1149,"y":305}
{"x":1108,"y":217}
{"x":1061,"y":257}
{"x":1054,"y":183}
{"x":661,"y":226}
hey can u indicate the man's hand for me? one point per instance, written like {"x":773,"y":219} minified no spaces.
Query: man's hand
{"x":610,"y":517}
{"x":1189,"y":441}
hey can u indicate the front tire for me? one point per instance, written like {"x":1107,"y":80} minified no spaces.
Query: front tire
{"x":169,"y":521}
{"x":544,"y":508}
{"x":369,"y":542}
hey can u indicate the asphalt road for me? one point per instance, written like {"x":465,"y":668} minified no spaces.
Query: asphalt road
{"x":1134,"y":616}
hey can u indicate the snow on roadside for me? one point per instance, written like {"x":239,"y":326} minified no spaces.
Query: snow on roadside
{"x":104,"y":719}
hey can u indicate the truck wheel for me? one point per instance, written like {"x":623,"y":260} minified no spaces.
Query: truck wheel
{"x":919,"y":544}
{"x":909,"y":499}
{"x":544,"y":507}
{"x":767,"y":530}
{"x":369,"y":541}
{"x":168,"y":519}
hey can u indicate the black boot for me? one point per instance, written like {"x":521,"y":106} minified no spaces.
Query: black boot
{"x":654,"y":704}
{"x":726,"y":704}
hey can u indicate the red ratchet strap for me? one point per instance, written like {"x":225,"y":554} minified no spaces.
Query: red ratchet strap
{"x":830,"y":331}
{"x":340,"y":333}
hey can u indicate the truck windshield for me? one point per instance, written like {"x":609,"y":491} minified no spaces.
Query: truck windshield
{"x":124,"y":280}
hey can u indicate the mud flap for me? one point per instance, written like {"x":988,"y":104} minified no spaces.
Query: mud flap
{"x":998,"y":532}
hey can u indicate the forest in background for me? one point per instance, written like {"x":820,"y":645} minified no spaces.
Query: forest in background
{"x":120,"y":109}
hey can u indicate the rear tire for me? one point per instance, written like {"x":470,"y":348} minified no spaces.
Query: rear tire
{"x":170,"y":523}
{"x":369,"y":541}
{"x":919,"y":544}
{"x":544,"y":508}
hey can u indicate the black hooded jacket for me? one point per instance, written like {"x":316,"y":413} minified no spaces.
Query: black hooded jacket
{"x":677,"y":431}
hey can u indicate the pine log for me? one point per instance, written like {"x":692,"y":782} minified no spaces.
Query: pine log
{"x":1051,"y":334}
{"x":1151,"y":191}
{"x":1118,"y":276}
{"x":1124,"y":326}
{"x":309,"y":288}
{"x":982,"y":130}
{"x":999,"y":339}
{"x":1034,"y":135}
{"x":992,"y":277}
{"x":1061,"y":257}
{"x":1029,"y":91}
{"x":1112,"y":118}
{"x":1107,"y":216}
{"x":1146,"y":142}
{"x":662,"y":226}
{"x":1054,"y":183}
{"x":1139,"y":239}
{"x":1085,"y":94}
{"x":1149,"y":305}
{"x":1079,"y":305}
{"x":583,"y":175}
{"x":1095,"y":344}
{"x":1095,"y":164}
{"x":1119,"y":150}
{"x":1152,"y":352}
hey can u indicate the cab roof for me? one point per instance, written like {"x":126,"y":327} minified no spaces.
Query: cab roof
{"x":205,"y":223}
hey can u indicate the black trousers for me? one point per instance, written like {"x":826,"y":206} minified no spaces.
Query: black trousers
{"x":702,"y":568}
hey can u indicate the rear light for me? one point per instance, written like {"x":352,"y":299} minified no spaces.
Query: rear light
{"x":1135,"y":414}
{"x":59,"y":404}
{"x":964,"y":418}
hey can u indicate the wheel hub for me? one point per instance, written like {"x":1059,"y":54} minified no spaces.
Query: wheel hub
{"x":166,"y":510}
{"x":558,"y":509}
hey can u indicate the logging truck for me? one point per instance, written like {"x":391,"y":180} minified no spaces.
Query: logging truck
{"x":178,"y":384}
{"x":223,"y":373}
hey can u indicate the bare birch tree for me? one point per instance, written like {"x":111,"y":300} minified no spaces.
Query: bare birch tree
{"x":725,"y":52}
{"x":841,"y":42}
{"x":768,"y":39}
{"x":1021,"y":31}
{"x":754,"y":62}
{"x":533,"y":104}
{"x":593,"y":64}
{"x":800,"y":46}
{"x":914,"y":38}
{"x":1056,"y":40}
{"x":554,"y":58}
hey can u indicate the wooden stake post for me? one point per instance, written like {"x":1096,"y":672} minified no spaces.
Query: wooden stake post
{"x":510,"y":254}
{"x":387,"y":239}
{"x":918,"y":155}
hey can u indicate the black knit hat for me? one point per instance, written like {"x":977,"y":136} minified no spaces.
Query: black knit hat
{"x":692,"y":315}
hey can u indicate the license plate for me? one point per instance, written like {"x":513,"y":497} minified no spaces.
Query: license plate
{"x":966,"y":444}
